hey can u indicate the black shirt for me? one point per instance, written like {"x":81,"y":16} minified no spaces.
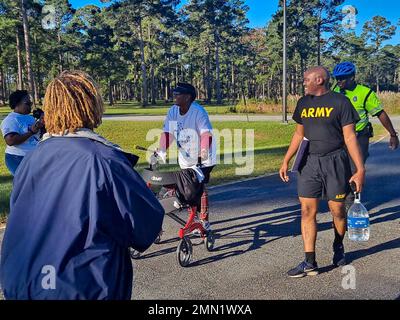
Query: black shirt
{"x":323,"y":118}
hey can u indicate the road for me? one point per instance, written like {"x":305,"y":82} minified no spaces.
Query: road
{"x":258,"y":228}
{"x":257,"y":223}
{"x":225,"y":117}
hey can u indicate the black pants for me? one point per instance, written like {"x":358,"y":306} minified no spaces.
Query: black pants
{"x":206,"y":172}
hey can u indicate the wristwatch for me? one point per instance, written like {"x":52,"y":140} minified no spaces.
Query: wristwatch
{"x":396,"y":134}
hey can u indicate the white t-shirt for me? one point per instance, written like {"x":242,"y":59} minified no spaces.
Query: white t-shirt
{"x":19,"y":123}
{"x":187,"y":130}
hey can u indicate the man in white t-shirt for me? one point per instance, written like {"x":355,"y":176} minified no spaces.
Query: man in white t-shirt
{"x":187,"y":123}
{"x":20,"y":130}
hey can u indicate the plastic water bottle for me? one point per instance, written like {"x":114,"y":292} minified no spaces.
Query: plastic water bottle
{"x":358,"y":221}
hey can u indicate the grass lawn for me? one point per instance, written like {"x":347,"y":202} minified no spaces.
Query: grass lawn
{"x":270,"y":143}
{"x":134,"y":108}
{"x":389,"y":99}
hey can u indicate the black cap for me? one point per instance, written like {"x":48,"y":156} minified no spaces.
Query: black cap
{"x":185,"y":88}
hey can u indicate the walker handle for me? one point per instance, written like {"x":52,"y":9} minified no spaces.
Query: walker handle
{"x":140,"y":148}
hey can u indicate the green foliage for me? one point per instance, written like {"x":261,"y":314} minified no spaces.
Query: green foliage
{"x":138,"y":50}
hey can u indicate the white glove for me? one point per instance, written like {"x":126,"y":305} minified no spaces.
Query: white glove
{"x":199,"y":173}
{"x":162,"y":155}
{"x":153,"y":159}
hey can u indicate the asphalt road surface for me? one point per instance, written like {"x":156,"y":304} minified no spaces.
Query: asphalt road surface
{"x":219,"y":117}
{"x":228,"y":117}
{"x":257,"y":223}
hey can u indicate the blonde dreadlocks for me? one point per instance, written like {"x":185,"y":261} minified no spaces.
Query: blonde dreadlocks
{"x":72,"y":101}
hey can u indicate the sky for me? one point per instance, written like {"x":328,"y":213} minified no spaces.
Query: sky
{"x":261,"y":11}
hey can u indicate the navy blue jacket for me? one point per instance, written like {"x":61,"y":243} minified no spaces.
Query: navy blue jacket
{"x":77,"y":205}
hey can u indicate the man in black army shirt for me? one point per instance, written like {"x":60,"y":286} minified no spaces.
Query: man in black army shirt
{"x":327,"y":120}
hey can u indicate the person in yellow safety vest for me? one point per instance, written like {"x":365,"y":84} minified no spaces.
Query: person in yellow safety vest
{"x":366,"y":103}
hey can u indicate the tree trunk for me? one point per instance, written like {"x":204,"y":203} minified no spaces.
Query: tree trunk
{"x":126,"y":91}
{"x":60,"y":57}
{"x":2,"y":91}
{"x":217,"y":68}
{"x":37,"y":79}
{"x":37,"y":89}
{"x":116,"y":93}
{"x":153,"y":86}
{"x":66,"y":61}
{"x":377,"y":84}
{"x":6,"y":86}
{"x":176,"y":75}
{"x":302,"y":72}
{"x":191,"y":70}
{"x":131,"y":91}
{"x":138,"y":90}
{"x":204,"y":72}
{"x":143,"y":66}
{"x":208,"y":77}
{"x":233,"y":81}
{"x":19,"y":61}
{"x":110,"y":95}
{"x":166,"y":90}
{"x":152,"y":79}
{"x":161,"y":88}
{"x":28,"y":51}
{"x":319,"y":44}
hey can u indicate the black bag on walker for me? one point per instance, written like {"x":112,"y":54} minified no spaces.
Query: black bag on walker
{"x":189,"y":189}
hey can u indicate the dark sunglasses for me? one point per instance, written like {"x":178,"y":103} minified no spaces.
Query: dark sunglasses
{"x":28,"y":103}
{"x":341,"y":78}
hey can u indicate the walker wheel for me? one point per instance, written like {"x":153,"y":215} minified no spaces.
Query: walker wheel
{"x":134,"y":253}
{"x":209,"y":241}
{"x":184,"y":252}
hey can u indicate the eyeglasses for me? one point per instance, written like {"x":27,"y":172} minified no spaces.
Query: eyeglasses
{"x":341,"y":78}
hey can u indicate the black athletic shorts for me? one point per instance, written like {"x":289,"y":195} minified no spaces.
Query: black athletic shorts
{"x":325,"y":177}
{"x":206,"y":172}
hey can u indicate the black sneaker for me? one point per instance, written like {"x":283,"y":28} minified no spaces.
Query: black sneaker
{"x":339,"y":257}
{"x":304,"y":269}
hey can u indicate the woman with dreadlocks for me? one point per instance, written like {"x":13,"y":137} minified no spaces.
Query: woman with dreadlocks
{"x":77,"y":206}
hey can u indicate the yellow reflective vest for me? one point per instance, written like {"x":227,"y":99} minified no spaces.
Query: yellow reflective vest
{"x":365,"y":101}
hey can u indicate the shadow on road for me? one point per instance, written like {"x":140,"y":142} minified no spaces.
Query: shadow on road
{"x":260,"y":232}
{"x":255,"y":230}
{"x":354,"y":255}
{"x":257,"y":233}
